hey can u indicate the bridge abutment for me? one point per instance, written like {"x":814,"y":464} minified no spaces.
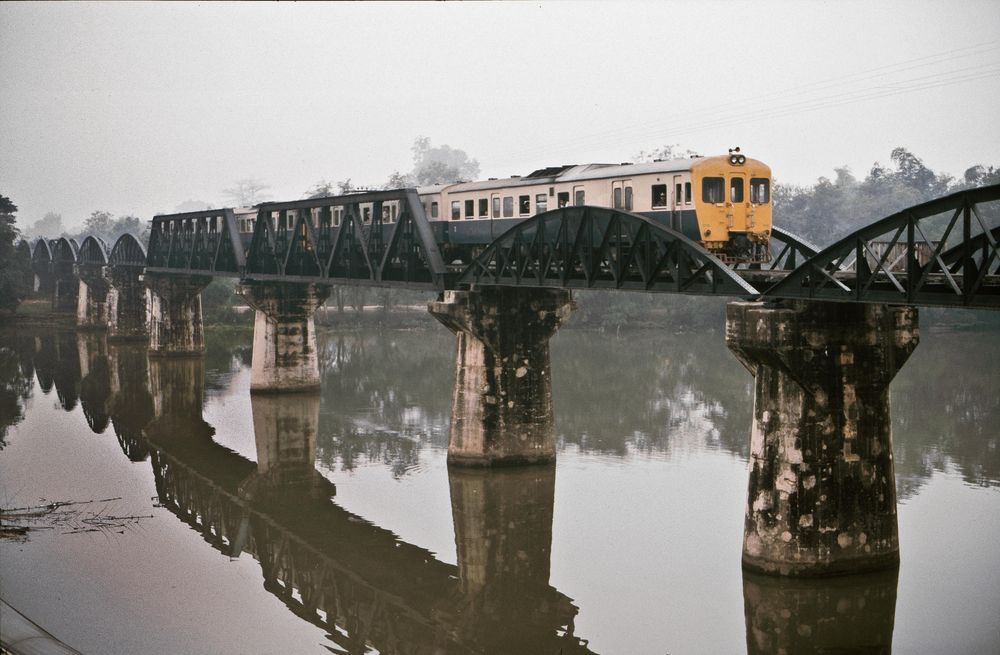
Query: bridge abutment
{"x":126,"y":305}
{"x":284,"y":334}
{"x":174,"y":314}
{"x":822,"y":494}
{"x":502,"y":400}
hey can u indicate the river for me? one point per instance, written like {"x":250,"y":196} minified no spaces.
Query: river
{"x":210,"y":521}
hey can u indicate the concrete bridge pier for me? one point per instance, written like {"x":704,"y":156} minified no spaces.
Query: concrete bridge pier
{"x":284,"y":334}
{"x":92,"y":303}
{"x":502,"y":400}
{"x":64,"y":293}
{"x":822,"y":492}
{"x":174,"y":314}
{"x":126,"y":304}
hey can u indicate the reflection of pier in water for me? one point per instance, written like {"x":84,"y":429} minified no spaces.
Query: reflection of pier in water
{"x":355,"y":580}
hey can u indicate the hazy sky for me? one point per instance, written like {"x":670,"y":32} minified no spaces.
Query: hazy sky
{"x":136,"y":108}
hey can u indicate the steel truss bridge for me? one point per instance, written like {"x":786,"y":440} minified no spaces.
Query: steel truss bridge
{"x":939,"y":253}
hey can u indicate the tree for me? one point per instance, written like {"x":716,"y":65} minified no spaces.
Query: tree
{"x":49,"y":226}
{"x":247,"y":192}
{"x":322,"y":189}
{"x":400,"y":181}
{"x":441,"y":164}
{"x":98,"y":224}
{"x":14,"y":271}
{"x":666,"y":152}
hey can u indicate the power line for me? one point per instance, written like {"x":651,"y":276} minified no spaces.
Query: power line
{"x":715,"y":117}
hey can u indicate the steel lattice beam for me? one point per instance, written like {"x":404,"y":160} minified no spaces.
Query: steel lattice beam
{"x":962,"y":267}
{"x":601,"y":248}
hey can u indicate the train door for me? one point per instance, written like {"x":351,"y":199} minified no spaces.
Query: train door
{"x":736,"y":205}
{"x":678,"y":204}
{"x":621,"y":194}
{"x":494,"y":211}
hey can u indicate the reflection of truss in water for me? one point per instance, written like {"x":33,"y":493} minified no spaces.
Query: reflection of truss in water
{"x":355,"y":580}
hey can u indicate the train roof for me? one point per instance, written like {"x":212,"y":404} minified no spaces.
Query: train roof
{"x":566,"y":173}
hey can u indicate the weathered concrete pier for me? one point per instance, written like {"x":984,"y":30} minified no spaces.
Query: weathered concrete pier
{"x":502,"y":399}
{"x":284,"y":334}
{"x":174,"y":314}
{"x":822,"y":494}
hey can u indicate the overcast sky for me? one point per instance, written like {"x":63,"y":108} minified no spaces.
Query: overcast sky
{"x":137,"y":108}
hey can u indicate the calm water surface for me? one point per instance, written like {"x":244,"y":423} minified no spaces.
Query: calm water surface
{"x":331,"y":523}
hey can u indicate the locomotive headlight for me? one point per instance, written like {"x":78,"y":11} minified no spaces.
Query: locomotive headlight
{"x":734,"y":159}
{"x":741,"y":159}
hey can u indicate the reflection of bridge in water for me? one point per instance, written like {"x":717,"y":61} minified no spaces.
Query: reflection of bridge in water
{"x":355,"y":580}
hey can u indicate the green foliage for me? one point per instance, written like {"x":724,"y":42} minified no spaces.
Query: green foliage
{"x":442,"y":164}
{"x":14,"y":271}
{"x":219,"y":303}
{"x":247,"y":192}
{"x":831,"y":209}
{"x":49,"y":226}
{"x":103,"y":225}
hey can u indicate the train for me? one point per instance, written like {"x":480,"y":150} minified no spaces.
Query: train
{"x":721,"y":202}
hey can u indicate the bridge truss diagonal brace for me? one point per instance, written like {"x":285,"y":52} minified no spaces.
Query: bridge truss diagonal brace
{"x":502,"y":399}
{"x":821,"y":497}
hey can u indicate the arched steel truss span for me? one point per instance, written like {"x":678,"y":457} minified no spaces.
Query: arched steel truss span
{"x":92,"y":258}
{"x":127,"y":252}
{"x":380,"y":238}
{"x":601,"y":248}
{"x":943,"y":252}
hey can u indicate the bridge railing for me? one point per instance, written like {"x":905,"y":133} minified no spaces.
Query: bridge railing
{"x":943,"y":252}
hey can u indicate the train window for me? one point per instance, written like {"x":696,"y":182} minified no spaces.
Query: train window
{"x":736,"y":189}
{"x":759,"y":190}
{"x":434,"y":210}
{"x":618,"y":197}
{"x":713,"y":189}
{"x":337,"y":213}
{"x":508,"y":206}
{"x":496,"y":206}
{"x":677,"y":193}
{"x":562,"y":199}
{"x":484,"y":207}
{"x":456,"y":210}
{"x":366,"y":215}
{"x":580,"y":198}
{"x":524,"y":205}
{"x":470,"y":208}
{"x":687,"y":193}
{"x":628,"y":198}
{"x":659,"y":193}
{"x":392,"y":212}
{"x":541,"y":203}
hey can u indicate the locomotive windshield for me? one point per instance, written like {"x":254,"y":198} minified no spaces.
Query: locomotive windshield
{"x":759,"y":190}
{"x":713,"y":189}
